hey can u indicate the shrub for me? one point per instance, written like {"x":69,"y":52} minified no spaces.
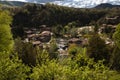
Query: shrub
{"x":81,"y":68}
{"x":97,"y":49}
{"x":12,"y":68}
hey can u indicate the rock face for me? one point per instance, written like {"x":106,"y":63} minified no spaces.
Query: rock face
{"x":45,"y":36}
{"x":35,"y":35}
{"x":75,"y":40}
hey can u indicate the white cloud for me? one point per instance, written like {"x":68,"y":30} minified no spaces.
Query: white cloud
{"x":16,"y":0}
{"x":74,"y":3}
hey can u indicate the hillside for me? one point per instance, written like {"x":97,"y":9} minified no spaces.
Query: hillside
{"x":13,"y":3}
{"x":107,"y":5}
{"x":52,"y":42}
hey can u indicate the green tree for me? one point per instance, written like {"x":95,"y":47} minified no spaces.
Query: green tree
{"x":53,"y":53}
{"x":73,"y":49}
{"x":26,"y":51}
{"x":11,"y":68}
{"x":51,"y":70}
{"x":81,"y":68}
{"x":116,"y":36}
{"x":97,"y":48}
{"x":6,"y":40}
{"x":115,"y":59}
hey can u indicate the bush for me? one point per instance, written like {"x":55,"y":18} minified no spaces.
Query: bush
{"x":53,"y":49}
{"x":12,"y":68}
{"x":81,"y":68}
{"x":49,"y":71}
{"x":26,"y":51}
{"x":97,"y":49}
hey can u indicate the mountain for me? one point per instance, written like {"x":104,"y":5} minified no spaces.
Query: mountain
{"x":13,"y":3}
{"x":85,"y":3}
{"x":74,"y":3}
{"x":106,"y":5}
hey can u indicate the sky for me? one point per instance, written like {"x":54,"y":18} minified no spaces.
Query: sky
{"x":16,"y":0}
{"x":74,"y":3}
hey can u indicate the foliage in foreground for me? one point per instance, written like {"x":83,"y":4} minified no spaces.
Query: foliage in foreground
{"x":11,"y":68}
{"x":78,"y":68}
{"x":6,"y":40}
{"x":81,"y":68}
{"x":115,"y":59}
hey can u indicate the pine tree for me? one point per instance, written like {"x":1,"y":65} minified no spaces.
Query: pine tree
{"x":97,"y":48}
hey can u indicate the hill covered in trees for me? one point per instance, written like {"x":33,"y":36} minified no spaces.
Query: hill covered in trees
{"x":32,"y":15}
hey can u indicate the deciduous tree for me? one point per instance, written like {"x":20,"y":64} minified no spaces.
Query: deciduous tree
{"x":6,"y":40}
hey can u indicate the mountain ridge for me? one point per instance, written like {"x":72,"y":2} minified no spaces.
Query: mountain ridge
{"x":13,"y":3}
{"x":106,"y":5}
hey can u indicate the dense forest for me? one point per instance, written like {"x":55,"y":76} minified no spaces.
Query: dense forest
{"x":32,"y":15}
{"x":88,"y":55}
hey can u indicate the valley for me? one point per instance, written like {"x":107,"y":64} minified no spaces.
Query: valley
{"x":73,"y":40}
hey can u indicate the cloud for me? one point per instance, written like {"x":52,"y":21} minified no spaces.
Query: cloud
{"x":15,"y":0}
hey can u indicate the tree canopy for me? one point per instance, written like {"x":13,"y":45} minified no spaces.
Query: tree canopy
{"x":116,"y":36}
{"x":6,"y":41}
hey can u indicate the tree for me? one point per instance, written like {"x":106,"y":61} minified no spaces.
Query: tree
{"x":53,"y":49}
{"x":81,"y":68}
{"x":115,"y":59}
{"x":26,"y":52}
{"x":73,"y":49}
{"x":11,"y":68}
{"x":97,"y":48}
{"x":116,"y":36}
{"x":6,"y":40}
